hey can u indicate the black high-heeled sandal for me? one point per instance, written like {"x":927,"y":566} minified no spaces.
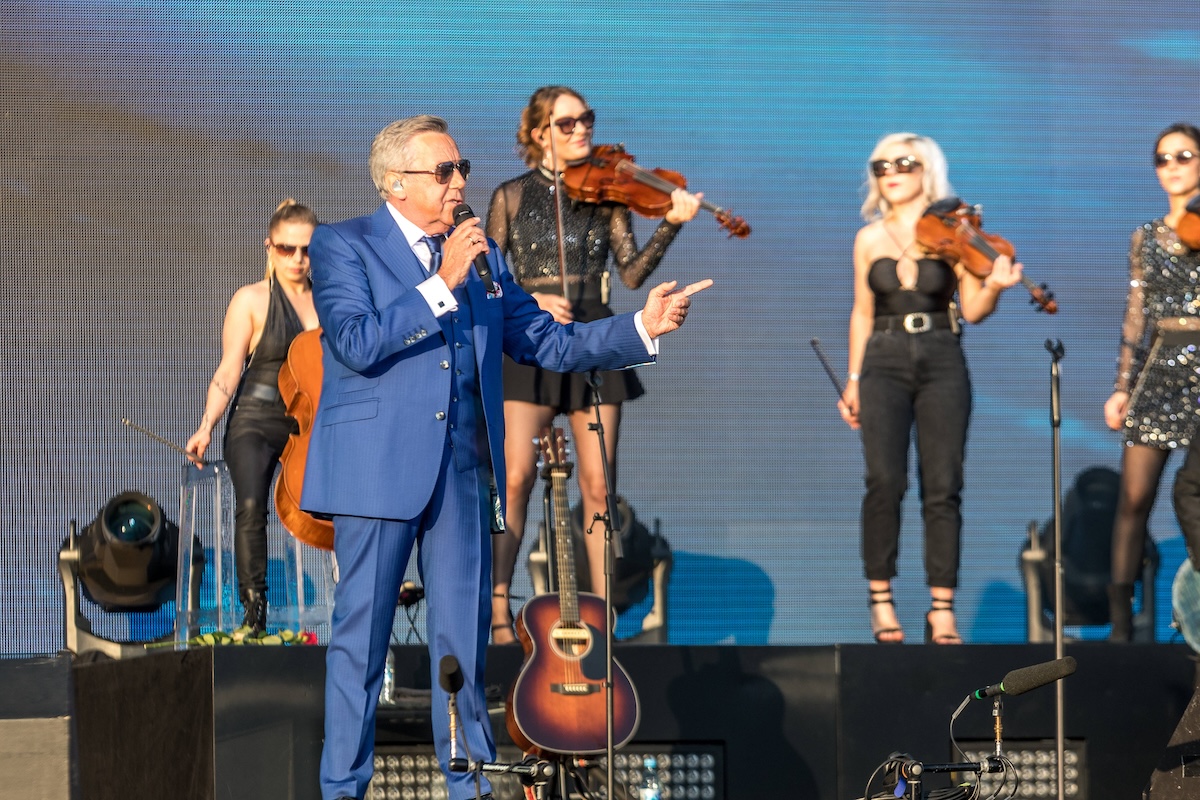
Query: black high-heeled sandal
{"x":508,"y":626}
{"x":882,"y":597}
{"x":937,"y":604}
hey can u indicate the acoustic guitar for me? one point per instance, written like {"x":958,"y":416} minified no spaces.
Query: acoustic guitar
{"x":557,"y":705}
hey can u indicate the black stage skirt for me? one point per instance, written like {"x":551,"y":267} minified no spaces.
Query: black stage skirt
{"x":569,"y":391}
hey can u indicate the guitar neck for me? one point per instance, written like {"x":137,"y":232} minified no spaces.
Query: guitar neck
{"x":564,"y":546}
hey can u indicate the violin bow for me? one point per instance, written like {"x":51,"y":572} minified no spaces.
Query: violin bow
{"x":820,"y":351}
{"x":558,"y":211}
{"x":130,"y":423}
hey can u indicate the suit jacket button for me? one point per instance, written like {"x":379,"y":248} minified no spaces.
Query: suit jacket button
{"x":444,"y":365}
{"x":440,"y":415}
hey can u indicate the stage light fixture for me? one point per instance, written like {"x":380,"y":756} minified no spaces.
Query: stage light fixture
{"x":1036,"y":762}
{"x":125,"y":560}
{"x":685,"y":772}
{"x":1089,"y":508}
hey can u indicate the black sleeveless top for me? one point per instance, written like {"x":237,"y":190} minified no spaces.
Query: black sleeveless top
{"x":281,"y":327}
{"x":936,"y":285}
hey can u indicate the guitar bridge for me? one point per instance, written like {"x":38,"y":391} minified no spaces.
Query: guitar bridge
{"x":577,"y":689}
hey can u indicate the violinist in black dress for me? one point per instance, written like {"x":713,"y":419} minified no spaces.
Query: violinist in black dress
{"x":521,"y":219}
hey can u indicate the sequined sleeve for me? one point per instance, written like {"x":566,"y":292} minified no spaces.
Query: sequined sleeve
{"x":634,"y":266}
{"x":1132,"y":354}
{"x":496,"y":226}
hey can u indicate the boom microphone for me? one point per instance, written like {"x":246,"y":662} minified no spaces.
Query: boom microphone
{"x":530,"y":768}
{"x":1023,"y":680}
{"x":450,"y":678}
{"x":462,"y":213}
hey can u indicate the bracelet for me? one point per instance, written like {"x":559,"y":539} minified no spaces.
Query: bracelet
{"x":853,"y":376}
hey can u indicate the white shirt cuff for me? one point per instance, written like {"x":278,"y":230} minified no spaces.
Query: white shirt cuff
{"x":651,"y":344}
{"x":438,"y":295}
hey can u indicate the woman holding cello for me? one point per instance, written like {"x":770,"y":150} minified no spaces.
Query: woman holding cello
{"x":907,"y":368}
{"x":260,"y":323}
{"x":556,"y":132}
{"x":1154,"y":397}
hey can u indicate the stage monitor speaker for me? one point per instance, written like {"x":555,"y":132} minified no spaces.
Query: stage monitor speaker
{"x":1177,"y":776}
{"x":37,"y":729}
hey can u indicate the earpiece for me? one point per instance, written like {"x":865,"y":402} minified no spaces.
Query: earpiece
{"x":396,"y":186}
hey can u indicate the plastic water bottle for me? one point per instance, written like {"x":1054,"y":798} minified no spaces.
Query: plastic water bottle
{"x":387,"y":693}
{"x":649,"y":789}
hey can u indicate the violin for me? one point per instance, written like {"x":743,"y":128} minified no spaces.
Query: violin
{"x":300,"y":387}
{"x":951,"y":229}
{"x":610,"y":175}
{"x":1188,"y":228}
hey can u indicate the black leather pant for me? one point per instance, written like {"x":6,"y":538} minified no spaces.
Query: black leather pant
{"x":254,"y":439}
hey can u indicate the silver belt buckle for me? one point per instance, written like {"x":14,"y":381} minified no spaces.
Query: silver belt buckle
{"x":918,"y":322}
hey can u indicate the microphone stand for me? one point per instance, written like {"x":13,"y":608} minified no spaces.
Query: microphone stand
{"x":1055,"y":348}
{"x":612,"y":551}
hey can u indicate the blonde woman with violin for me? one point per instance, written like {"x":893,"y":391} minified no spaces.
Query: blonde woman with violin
{"x":1154,"y":399}
{"x":260,"y":323}
{"x":907,"y":369}
{"x":557,"y":123}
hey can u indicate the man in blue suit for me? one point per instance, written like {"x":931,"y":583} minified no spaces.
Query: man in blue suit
{"x":407,"y":444}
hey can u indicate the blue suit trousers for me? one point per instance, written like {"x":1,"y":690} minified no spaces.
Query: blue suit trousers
{"x":453,"y":538}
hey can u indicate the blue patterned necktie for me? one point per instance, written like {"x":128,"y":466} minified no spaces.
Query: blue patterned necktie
{"x":434,"y":243}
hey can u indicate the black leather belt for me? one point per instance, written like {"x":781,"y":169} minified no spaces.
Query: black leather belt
{"x":261,"y":391}
{"x":920,"y":322}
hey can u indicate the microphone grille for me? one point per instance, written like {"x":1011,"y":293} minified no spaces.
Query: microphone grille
{"x":450,"y":676}
{"x":462,"y":212}
{"x":1023,"y":680}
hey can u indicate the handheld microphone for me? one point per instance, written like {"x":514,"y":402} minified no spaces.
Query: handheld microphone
{"x":450,"y":678}
{"x":462,"y":213}
{"x":1023,"y":680}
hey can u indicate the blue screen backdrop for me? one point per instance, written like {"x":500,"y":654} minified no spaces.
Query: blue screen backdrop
{"x":146,"y":144}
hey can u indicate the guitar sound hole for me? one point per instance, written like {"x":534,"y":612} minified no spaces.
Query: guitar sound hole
{"x":572,"y":641}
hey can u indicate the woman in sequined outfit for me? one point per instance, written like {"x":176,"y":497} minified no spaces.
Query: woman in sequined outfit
{"x":907,"y":369}
{"x":521,"y":219}
{"x":260,"y":323}
{"x":1155,"y":395}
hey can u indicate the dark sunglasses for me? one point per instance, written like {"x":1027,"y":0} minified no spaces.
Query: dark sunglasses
{"x":1182,"y":157}
{"x":567,"y":124}
{"x":903,"y":166}
{"x":442,"y":172}
{"x":289,"y":250}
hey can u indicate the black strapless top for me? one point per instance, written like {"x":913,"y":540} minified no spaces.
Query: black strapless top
{"x":936,"y":285}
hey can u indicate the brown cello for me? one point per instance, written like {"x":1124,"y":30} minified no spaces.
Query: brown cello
{"x":951,"y":229}
{"x":300,"y":387}
{"x":610,"y":175}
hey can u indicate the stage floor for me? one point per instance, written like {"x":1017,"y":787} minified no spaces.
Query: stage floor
{"x":786,"y":722}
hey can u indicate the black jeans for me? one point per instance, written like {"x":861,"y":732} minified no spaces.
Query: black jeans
{"x":912,"y":378}
{"x":254,"y":439}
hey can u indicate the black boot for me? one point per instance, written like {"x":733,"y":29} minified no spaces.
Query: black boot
{"x":255,"y":619}
{"x":1120,"y":611}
